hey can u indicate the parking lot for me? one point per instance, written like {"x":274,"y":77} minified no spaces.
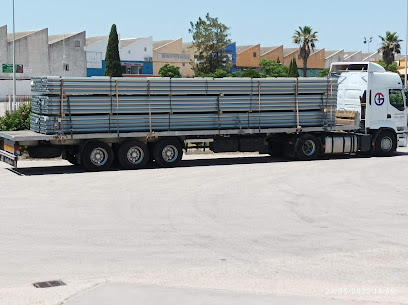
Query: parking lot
{"x":322,"y":232}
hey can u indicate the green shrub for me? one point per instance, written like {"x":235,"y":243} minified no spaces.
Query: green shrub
{"x":251,"y":73}
{"x":18,"y":120}
{"x":170,"y":71}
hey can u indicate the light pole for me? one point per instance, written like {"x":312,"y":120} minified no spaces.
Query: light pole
{"x":14,"y":63}
{"x":368,"y":41}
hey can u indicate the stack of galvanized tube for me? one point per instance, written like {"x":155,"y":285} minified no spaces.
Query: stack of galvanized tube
{"x":96,"y":105}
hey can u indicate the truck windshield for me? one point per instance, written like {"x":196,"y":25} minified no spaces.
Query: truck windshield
{"x":397,"y":99}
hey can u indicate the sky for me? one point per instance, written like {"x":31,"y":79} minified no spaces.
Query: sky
{"x":340,"y":24}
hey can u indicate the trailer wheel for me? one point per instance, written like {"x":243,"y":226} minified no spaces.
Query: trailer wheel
{"x":71,"y":158}
{"x":307,"y":148}
{"x":167,"y":152}
{"x":97,"y":156}
{"x":385,"y":144}
{"x":133,"y":154}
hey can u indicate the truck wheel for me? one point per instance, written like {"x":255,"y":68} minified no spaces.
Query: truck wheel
{"x":385,"y":144}
{"x":167,"y":152}
{"x":133,"y":154}
{"x":97,"y":156}
{"x":307,"y":148}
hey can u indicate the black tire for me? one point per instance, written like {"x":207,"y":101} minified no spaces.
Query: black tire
{"x":168,"y":152}
{"x":307,"y":148}
{"x":97,"y":156}
{"x":133,"y":154}
{"x":276,"y":150}
{"x":385,"y":144}
{"x":71,"y":158}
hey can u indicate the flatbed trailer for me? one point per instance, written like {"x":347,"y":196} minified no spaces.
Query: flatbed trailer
{"x":269,"y":140}
{"x":371,"y":118}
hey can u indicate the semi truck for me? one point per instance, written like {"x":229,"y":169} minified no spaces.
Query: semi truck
{"x":362,"y":110}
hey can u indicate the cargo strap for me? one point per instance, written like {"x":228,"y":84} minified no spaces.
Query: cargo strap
{"x":298,"y":127}
{"x":117,"y":108}
{"x":219,"y":114}
{"x":259,"y":106}
{"x":331,"y":101}
{"x":111,"y":103}
{"x":325,"y":108}
{"x":171,"y":106}
{"x":70,"y":117}
{"x":150,"y":109}
{"x":62,"y":115}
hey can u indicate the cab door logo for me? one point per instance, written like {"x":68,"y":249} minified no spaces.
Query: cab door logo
{"x":379,"y":99}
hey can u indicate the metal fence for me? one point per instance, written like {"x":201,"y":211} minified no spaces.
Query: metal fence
{"x":6,"y":100}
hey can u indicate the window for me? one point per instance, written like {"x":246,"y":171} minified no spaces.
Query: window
{"x":66,"y":67}
{"x":396,"y":99}
{"x":133,"y":69}
{"x":129,"y":52}
{"x":254,"y":55}
{"x":77,"y":43}
{"x":145,"y":49}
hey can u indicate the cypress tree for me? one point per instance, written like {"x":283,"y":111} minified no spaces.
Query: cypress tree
{"x":290,"y":69}
{"x":295,"y":69}
{"x":112,"y":60}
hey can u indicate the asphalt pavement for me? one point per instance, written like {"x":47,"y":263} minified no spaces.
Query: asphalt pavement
{"x":219,"y":229}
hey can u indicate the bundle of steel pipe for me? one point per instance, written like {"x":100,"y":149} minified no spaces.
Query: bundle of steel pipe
{"x":176,"y":104}
{"x":178,"y":86}
{"x":91,"y":105}
{"x":173,"y":122}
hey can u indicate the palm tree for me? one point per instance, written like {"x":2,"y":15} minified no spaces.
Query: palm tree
{"x":306,"y":38}
{"x":390,"y":46}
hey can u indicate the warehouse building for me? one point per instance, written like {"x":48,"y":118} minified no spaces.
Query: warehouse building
{"x":248,"y":57}
{"x":136,"y":56}
{"x":272,"y":53}
{"x":95,"y":55}
{"x":38,"y":54}
{"x":175,"y":53}
{"x":67,"y":55}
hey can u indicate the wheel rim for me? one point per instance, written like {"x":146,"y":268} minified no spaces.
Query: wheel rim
{"x":170,"y":153}
{"x":309,"y":148}
{"x":99,"y":156}
{"x":386,"y":144}
{"x":135,"y":155}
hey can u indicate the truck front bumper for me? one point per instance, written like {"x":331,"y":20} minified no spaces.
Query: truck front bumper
{"x":8,"y":158}
{"x":402,"y":140}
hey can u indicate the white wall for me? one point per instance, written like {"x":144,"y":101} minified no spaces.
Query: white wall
{"x":3,"y":47}
{"x":95,"y":53}
{"x":336,"y":57}
{"x":136,"y":51}
{"x":75,"y":57}
{"x":356,"y":57}
{"x":32,"y":53}
{"x":23,"y":87}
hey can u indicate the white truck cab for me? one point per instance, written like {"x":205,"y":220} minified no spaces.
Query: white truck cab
{"x":377,"y":95}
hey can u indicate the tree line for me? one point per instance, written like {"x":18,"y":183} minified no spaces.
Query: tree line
{"x":211,"y":39}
